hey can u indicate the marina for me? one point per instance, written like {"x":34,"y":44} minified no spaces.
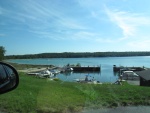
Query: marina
{"x":104,"y":74}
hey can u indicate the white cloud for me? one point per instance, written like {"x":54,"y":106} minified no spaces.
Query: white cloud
{"x":105,"y":40}
{"x":128,"y":22}
{"x":41,"y":18}
{"x":52,"y":21}
{"x":141,"y":45}
{"x":84,"y":35}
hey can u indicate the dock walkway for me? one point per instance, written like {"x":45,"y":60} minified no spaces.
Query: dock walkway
{"x":116,"y":69}
{"x":85,"y":69}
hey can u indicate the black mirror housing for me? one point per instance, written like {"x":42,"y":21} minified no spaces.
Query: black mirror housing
{"x":9,"y":78}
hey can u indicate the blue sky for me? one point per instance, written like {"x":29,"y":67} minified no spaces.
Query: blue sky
{"x":39,"y":26}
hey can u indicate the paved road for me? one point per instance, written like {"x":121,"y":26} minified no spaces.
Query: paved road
{"x":137,"y":109}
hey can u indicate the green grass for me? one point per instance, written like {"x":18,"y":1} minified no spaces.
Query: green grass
{"x":35,"y":95}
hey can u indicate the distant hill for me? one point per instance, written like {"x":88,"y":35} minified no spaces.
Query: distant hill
{"x":78,"y":55}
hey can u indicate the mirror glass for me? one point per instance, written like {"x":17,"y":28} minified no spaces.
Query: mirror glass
{"x":3,"y":76}
{"x":8,"y":78}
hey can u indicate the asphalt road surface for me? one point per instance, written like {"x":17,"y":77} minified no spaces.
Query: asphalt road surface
{"x":129,"y":109}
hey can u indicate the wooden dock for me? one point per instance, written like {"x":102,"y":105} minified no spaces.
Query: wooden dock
{"x":86,"y":69}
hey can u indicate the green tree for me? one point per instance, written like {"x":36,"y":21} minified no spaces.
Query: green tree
{"x":2,"y":52}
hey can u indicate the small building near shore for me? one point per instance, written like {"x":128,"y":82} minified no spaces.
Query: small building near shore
{"x":144,"y":77}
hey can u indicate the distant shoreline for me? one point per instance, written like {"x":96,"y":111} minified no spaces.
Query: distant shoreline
{"x":79,"y":55}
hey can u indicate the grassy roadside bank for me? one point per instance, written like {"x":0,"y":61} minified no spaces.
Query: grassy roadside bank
{"x":44,"y":96}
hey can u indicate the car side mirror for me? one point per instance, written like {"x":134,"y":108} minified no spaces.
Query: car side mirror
{"x":9,"y":78}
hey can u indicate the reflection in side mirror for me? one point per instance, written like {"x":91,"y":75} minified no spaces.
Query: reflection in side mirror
{"x":9,"y":78}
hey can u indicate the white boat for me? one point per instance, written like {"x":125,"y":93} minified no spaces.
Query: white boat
{"x":54,"y":71}
{"x":129,"y":73}
{"x":67,"y":68}
{"x":45,"y":74}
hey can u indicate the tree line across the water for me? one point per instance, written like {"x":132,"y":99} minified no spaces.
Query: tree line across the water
{"x":79,"y":55}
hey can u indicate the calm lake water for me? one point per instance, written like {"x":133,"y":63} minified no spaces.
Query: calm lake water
{"x":106,"y":63}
